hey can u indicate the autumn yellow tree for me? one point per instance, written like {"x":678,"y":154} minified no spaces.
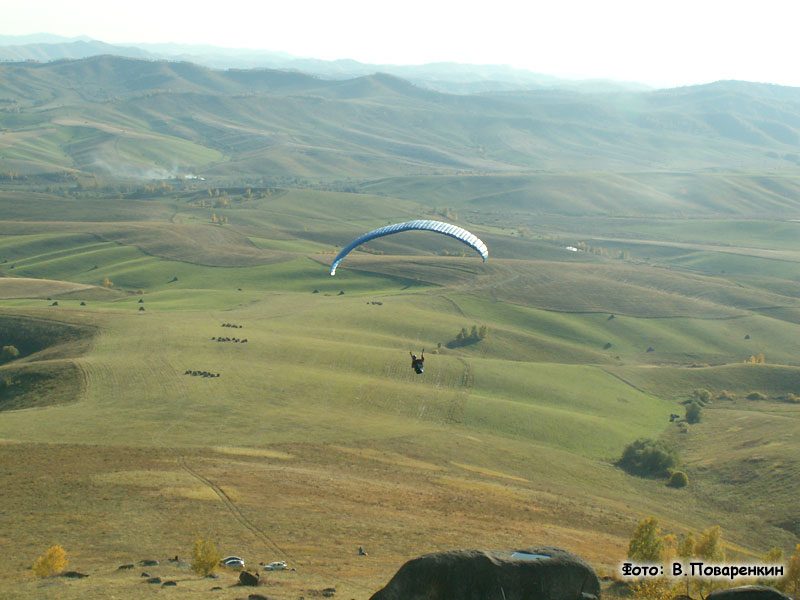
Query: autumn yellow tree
{"x":646,"y":545}
{"x":791,"y":580}
{"x":205,"y":557}
{"x":773,"y":557}
{"x":51,"y":562}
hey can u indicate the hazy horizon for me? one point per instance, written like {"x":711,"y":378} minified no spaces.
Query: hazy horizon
{"x":682,"y":43}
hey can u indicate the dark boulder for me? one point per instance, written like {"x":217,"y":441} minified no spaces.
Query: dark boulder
{"x":541,"y":573}
{"x":74,"y":575}
{"x":247,"y":578}
{"x":748,"y":592}
{"x":153,"y":580}
{"x":169,"y":583}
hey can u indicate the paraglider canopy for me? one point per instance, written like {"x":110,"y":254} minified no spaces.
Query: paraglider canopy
{"x":453,"y":231}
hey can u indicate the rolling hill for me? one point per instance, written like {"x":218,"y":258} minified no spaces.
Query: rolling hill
{"x":187,"y":119}
{"x":187,"y":369}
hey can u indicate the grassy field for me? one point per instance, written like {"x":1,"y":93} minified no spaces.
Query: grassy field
{"x":317,"y":437}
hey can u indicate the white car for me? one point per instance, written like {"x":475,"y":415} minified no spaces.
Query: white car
{"x":233,"y":562}
{"x":276,"y":566}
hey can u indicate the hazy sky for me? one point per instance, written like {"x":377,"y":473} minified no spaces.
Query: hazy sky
{"x":663,"y":43}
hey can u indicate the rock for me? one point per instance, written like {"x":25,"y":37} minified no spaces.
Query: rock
{"x":748,"y":592}
{"x":148,"y":563}
{"x":248,"y":578}
{"x":125,"y":567}
{"x":74,"y":575}
{"x":540,"y":573}
{"x":169,"y":583}
{"x":153,"y":580}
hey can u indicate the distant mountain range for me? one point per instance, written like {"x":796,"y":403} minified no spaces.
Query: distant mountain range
{"x":155,"y":118}
{"x":452,"y":78}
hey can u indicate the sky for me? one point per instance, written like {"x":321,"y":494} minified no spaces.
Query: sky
{"x":660,"y":43}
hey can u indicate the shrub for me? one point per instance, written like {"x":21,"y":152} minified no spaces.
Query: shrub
{"x":679,"y":479}
{"x":51,"y":563}
{"x":793,"y":398}
{"x":648,"y":458}
{"x":205,"y":557}
{"x":8,"y":353}
{"x":702,"y":396}
{"x":756,"y":396}
{"x":726,"y":395}
{"x":693,"y":412}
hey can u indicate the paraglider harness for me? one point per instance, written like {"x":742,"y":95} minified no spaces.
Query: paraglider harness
{"x":416,"y":363}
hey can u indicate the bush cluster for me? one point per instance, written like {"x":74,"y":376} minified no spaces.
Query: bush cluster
{"x":648,"y":458}
{"x":465,"y":337}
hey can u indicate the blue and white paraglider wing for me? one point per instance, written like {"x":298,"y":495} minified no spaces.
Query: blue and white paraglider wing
{"x":454,"y":231}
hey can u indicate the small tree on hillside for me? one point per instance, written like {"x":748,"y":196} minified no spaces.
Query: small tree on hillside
{"x":646,"y":544}
{"x":686,"y":547}
{"x":710,"y":547}
{"x":791,"y":580}
{"x":205,"y":557}
{"x":51,"y":563}
{"x":773,"y":557}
